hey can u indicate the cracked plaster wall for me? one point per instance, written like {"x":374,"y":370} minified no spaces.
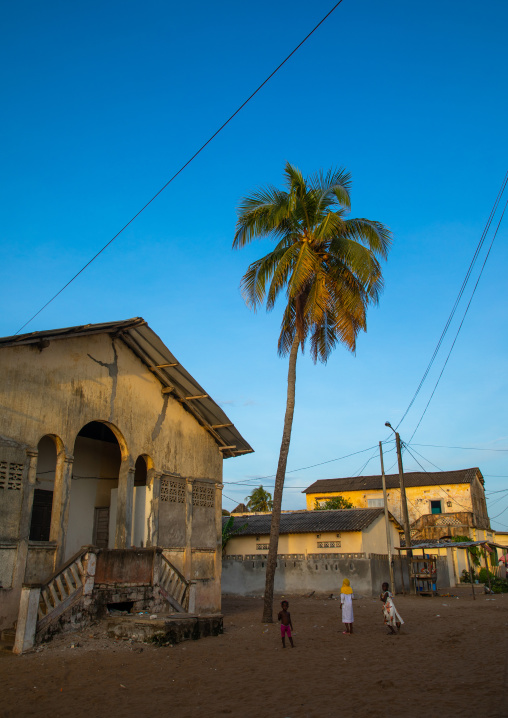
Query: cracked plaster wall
{"x":95,"y":378}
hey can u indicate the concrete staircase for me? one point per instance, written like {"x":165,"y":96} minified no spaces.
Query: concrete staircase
{"x":7,"y":637}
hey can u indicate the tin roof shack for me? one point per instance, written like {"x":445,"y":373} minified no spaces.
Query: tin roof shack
{"x":107,"y":442}
{"x":316,"y":549}
{"x":440,"y":503}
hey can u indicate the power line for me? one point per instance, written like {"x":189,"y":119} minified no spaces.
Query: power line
{"x":461,"y":323}
{"x":302,"y":468}
{"x":502,"y":512}
{"x":468,"y":508}
{"x":185,"y":165}
{"x":437,"y":467}
{"x":459,"y":296}
{"x":466,"y":448}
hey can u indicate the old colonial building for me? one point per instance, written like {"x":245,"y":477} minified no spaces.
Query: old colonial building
{"x":110,"y":473}
{"x":441,"y":504}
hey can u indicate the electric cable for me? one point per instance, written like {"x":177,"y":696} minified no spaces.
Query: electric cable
{"x":502,"y":512}
{"x":468,"y":508}
{"x":466,"y":448}
{"x":184,"y":165}
{"x":460,"y":325}
{"x":459,"y":296}
{"x":302,"y":468}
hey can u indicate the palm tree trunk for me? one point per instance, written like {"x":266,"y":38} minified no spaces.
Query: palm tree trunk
{"x":279,"y":485}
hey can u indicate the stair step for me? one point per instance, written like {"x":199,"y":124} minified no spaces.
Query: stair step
{"x":7,"y":636}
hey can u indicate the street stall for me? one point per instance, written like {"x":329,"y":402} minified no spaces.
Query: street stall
{"x":423,"y":568}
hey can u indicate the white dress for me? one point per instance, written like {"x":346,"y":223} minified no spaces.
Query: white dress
{"x":346,"y":601}
{"x":390,"y":613}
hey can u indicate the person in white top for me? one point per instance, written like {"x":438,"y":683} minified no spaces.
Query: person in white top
{"x":346,"y":601}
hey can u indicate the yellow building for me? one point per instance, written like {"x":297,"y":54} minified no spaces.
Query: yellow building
{"x":441,"y":504}
{"x":313,"y":533}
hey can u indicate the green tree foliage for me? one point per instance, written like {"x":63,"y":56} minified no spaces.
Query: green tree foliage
{"x":327,"y":267}
{"x":228,"y":531}
{"x":334,"y":502}
{"x":259,"y":500}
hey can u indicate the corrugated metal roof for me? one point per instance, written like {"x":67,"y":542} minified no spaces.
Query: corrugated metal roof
{"x":174,"y":379}
{"x":411,"y":478}
{"x":297,"y":522}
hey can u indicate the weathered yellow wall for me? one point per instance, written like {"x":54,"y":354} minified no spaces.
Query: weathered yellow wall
{"x":418,"y":499}
{"x":95,"y":378}
{"x":374,"y":537}
{"x":501,"y":537}
{"x":57,"y":390}
{"x":370,"y":540}
{"x":350,"y":542}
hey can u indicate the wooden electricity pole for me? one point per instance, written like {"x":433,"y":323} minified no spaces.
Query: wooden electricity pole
{"x":407,"y":531}
{"x":387,"y":521}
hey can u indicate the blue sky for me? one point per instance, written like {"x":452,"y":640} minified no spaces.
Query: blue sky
{"x":104,"y":102}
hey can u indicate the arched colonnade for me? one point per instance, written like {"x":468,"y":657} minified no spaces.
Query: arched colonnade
{"x":100,"y":495}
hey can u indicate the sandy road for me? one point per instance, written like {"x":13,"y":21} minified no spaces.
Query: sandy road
{"x":450,"y":660}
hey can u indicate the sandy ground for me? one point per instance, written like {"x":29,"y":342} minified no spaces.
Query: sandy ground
{"x":451,"y":659}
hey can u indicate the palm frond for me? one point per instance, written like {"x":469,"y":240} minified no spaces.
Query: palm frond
{"x":328,"y":265}
{"x":285,"y":266}
{"x":258,"y":275}
{"x":374,"y":235}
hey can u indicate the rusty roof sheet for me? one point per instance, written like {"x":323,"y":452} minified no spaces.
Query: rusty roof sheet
{"x":298,"y":522}
{"x":152,"y":351}
{"x":411,"y":478}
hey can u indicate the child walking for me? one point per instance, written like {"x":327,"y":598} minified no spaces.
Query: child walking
{"x":346,"y":601}
{"x":392,"y":618}
{"x":285,"y":624}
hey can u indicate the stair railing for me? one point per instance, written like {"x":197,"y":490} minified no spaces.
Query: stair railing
{"x":175,"y":588}
{"x":41,"y":604}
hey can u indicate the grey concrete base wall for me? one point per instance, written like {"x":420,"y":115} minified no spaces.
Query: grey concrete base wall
{"x":247,"y":577}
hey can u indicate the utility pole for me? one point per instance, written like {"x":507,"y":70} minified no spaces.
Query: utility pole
{"x":387,"y":521}
{"x":407,"y":532}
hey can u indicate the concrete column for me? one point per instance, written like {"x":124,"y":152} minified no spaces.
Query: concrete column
{"x":125,"y":500}
{"x":154,"y":480}
{"x":187,"y":558}
{"x":61,"y":501}
{"x":27,"y":619}
{"x":455,"y":562}
{"x":90,"y":564}
{"x":192,"y":597}
{"x":29,"y":479}
{"x":451,"y":566}
{"x":218,"y":551}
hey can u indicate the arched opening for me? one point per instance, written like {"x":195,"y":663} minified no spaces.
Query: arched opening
{"x":142,"y":501}
{"x":92,"y":509}
{"x":42,"y":507}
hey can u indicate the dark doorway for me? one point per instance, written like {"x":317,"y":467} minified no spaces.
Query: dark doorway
{"x":435,"y":507}
{"x":41,"y":515}
{"x":40,"y":522}
{"x":101,"y":527}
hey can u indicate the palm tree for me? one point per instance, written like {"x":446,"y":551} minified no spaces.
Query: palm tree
{"x":259,"y":500}
{"x":328,"y":266}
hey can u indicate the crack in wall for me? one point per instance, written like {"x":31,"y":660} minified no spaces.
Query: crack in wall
{"x":158,"y":424}
{"x":112,"y":368}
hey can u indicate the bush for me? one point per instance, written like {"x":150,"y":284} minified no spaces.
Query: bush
{"x":484,"y":575}
{"x":465,"y":577}
{"x":500,"y":585}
